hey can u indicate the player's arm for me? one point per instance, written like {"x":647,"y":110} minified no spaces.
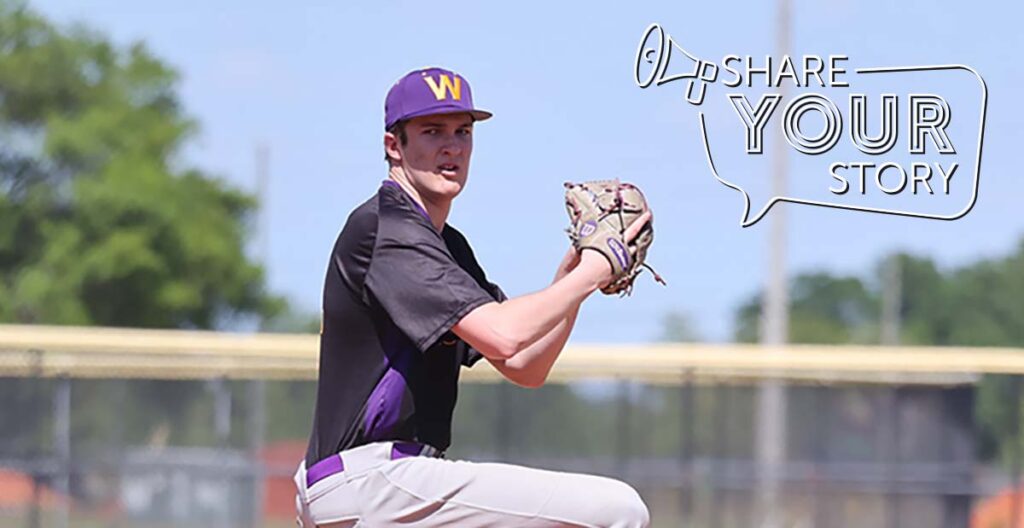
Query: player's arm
{"x":530,"y":367}
{"x":500,"y":331}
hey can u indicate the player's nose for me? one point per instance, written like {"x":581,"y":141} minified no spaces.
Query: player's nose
{"x":452,"y":147}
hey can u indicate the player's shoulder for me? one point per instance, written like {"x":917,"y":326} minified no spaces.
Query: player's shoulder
{"x":358,"y":234}
{"x":386,"y":206}
{"x":400,"y":218}
{"x":395,"y":203}
{"x":362,"y":220}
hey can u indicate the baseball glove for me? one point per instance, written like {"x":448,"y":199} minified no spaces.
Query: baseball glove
{"x":599,"y":213}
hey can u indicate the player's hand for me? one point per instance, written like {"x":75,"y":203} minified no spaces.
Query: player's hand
{"x":638,"y":225}
{"x":596,"y":265}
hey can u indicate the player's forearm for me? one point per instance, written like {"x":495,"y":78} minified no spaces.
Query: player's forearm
{"x":502,"y":330}
{"x":531,"y":366}
{"x":532,"y":317}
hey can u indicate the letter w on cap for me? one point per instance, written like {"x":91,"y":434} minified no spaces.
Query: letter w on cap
{"x":446,"y":86}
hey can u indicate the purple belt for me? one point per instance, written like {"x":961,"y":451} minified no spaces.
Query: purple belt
{"x":333,"y":464}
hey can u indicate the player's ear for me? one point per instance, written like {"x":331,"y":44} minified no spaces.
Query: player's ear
{"x":392,"y":147}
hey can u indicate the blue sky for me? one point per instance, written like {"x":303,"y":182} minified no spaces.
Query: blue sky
{"x":309,"y":81}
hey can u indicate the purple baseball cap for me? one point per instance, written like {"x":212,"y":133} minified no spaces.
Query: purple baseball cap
{"x":429,"y":91}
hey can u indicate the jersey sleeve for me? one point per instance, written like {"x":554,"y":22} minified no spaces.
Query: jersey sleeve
{"x":415,"y":279}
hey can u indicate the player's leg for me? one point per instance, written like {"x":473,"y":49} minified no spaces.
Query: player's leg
{"x":427,"y":492}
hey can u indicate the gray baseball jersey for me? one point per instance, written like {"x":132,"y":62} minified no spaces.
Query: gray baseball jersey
{"x":389,"y":364}
{"x":389,"y":368}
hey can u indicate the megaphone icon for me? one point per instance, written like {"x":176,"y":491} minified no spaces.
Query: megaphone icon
{"x":700,"y":72}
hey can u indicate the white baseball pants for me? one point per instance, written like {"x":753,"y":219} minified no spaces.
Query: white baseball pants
{"x":420,"y":492}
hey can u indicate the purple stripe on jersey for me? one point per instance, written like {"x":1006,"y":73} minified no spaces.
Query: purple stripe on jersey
{"x":384,"y":406}
{"x":419,"y":207}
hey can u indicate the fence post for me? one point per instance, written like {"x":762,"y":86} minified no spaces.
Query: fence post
{"x":503,"y":428}
{"x":622,"y":437}
{"x":894,"y":459}
{"x":686,"y":424}
{"x":257,"y":432}
{"x":1015,"y":400}
{"x":62,"y":448}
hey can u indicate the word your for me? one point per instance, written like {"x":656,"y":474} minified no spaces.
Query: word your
{"x":929,"y":117}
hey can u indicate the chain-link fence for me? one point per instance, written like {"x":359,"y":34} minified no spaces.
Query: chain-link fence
{"x":911,"y":449}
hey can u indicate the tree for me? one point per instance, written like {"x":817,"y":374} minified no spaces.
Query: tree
{"x":823,"y":309}
{"x":980,"y":304}
{"x":101,"y":221}
{"x":678,"y":327}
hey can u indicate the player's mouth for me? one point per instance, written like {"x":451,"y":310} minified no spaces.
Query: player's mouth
{"x":448,"y":170}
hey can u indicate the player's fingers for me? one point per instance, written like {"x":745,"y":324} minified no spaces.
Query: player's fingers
{"x":637,"y":226}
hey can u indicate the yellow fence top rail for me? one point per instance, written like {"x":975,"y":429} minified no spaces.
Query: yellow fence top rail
{"x":89,"y":352}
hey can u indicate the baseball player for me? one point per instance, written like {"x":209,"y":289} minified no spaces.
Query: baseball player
{"x":405,"y":307}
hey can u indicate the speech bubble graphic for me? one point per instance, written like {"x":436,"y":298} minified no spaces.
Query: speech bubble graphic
{"x":904,"y":140}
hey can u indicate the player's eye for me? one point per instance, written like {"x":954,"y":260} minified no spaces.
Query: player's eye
{"x":464,"y":131}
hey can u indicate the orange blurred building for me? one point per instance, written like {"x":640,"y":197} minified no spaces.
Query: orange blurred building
{"x":280,"y":459}
{"x":18,"y":492}
{"x":997,"y":511}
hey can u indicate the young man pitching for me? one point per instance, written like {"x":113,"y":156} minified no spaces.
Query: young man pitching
{"x":405,"y":307}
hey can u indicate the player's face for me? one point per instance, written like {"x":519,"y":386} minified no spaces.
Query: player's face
{"x":436,"y":158}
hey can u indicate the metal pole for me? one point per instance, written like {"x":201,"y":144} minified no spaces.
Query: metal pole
{"x":890,"y":326}
{"x":118,"y":442}
{"x":1015,"y":463}
{"x":771,"y":404}
{"x":687,"y":423}
{"x":62,"y":449}
{"x":892,"y":300}
{"x":821,"y":406}
{"x":257,"y":430}
{"x":720,"y":401}
{"x":262,"y":156}
{"x":895,"y":460}
{"x":34,"y":520}
{"x":503,"y":428}
{"x":622,"y":437}
{"x":257,"y":388}
{"x":222,"y":429}
{"x":221,"y":411}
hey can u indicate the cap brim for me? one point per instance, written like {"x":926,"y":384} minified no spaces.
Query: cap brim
{"x":481,"y":115}
{"x":478,"y":115}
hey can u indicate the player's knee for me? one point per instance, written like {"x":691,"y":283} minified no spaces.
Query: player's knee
{"x":635,"y":512}
{"x":622,"y":507}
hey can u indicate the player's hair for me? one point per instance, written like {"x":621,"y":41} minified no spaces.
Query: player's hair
{"x":398,"y":129}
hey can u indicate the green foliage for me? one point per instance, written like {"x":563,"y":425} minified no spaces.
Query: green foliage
{"x":677,"y":327}
{"x":980,"y":304}
{"x":823,"y":309}
{"x":103,"y":223}
{"x":99,"y":221}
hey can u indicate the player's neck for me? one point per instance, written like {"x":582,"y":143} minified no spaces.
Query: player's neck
{"x":438,"y":212}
